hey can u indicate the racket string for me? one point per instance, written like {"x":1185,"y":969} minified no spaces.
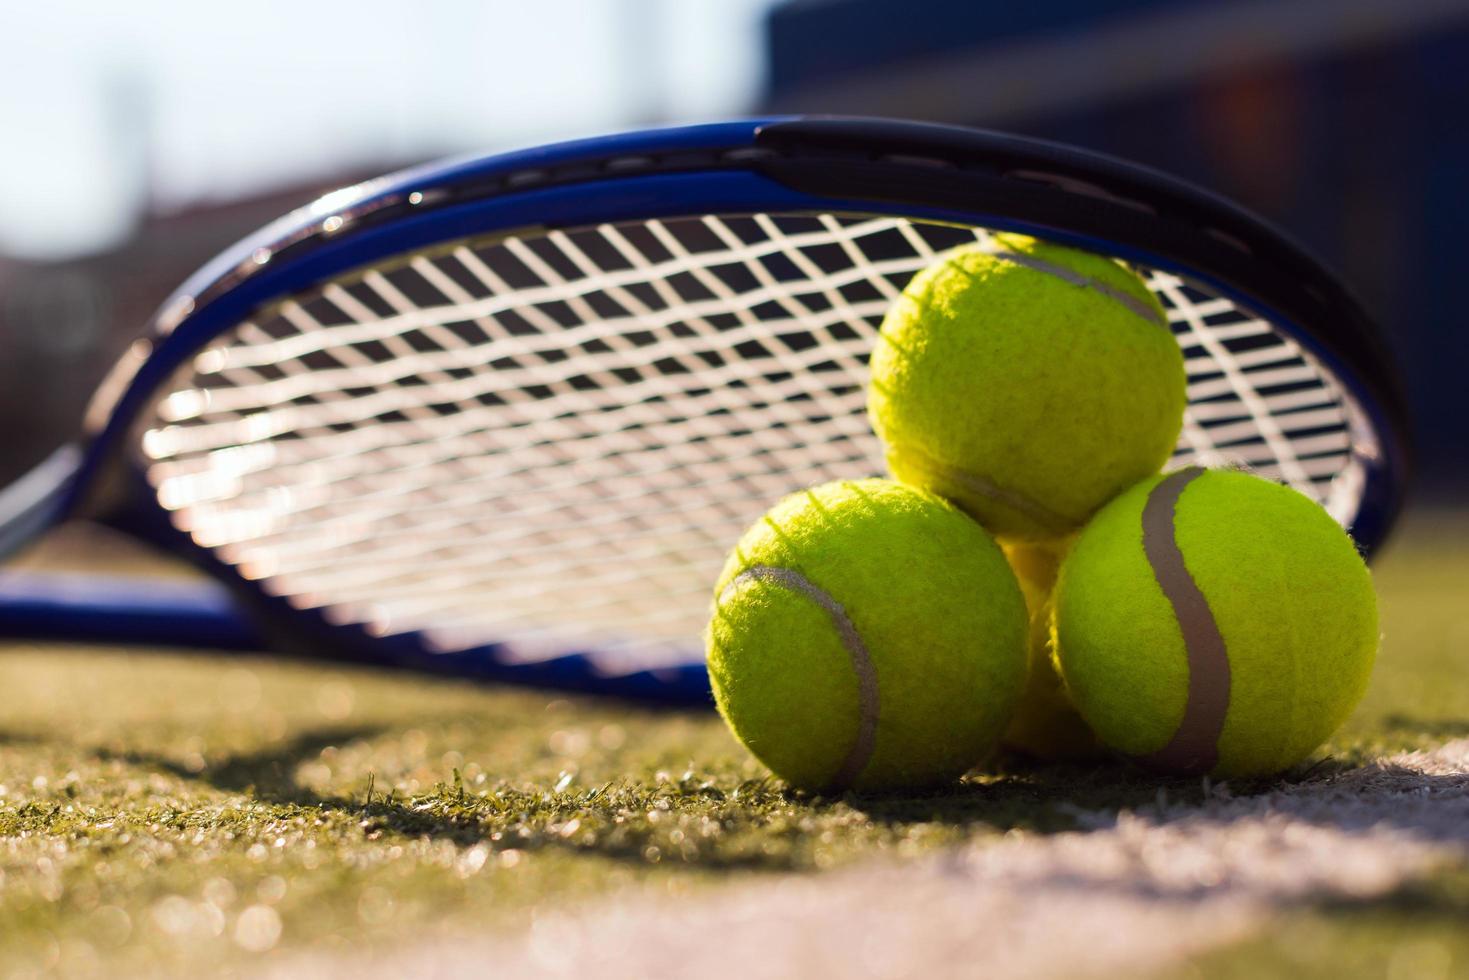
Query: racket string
{"x":552,"y":438}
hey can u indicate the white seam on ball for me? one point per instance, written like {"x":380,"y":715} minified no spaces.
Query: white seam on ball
{"x":867,"y":689}
{"x":1128,"y":300}
{"x":988,"y":489}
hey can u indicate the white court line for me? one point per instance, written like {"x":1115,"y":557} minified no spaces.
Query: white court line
{"x":1133,"y":892}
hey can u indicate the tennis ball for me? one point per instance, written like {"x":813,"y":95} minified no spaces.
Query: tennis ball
{"x":1045,"y":725}
{"x":1212,"y":621}
{"x":1027,"y":382}
{"x":868,"y":636}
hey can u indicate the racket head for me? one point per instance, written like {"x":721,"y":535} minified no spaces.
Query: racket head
{"x":622,"y":350}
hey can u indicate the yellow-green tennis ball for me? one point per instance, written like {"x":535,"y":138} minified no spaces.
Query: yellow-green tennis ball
{"x":1213,"y":621}
{"x":1046,"y":725}
{"x":868,"y":636}
{"x":1027,"y":382}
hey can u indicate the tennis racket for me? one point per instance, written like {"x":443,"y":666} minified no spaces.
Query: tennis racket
{"x":502,"y":417}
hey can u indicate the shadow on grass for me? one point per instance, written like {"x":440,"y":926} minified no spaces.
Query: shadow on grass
{"x":1054,"y":798}
{"x":1021,"y":793}
{"x":1037,"y":798}
{"x":1026,"y":796}
{"x":268,"y":775}
{"x":1437,"y":728}
{"x":449,"y":812}
{"x":1443,"y":897}
{"x":772,"y":828}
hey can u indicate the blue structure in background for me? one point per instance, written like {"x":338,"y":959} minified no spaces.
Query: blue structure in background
{"x":1343,"y":122}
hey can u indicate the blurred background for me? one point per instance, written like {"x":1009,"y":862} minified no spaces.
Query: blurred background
{"x":140,"y":139}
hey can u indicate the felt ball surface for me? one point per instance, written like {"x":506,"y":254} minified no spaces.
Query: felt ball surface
{"x":1046,"y":725}
{"x":867,"y":635}
{"x":1027,"y":382}
{"x":1214,"y":621}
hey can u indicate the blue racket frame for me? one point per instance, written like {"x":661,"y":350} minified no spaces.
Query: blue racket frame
{"x":787,"y":164}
